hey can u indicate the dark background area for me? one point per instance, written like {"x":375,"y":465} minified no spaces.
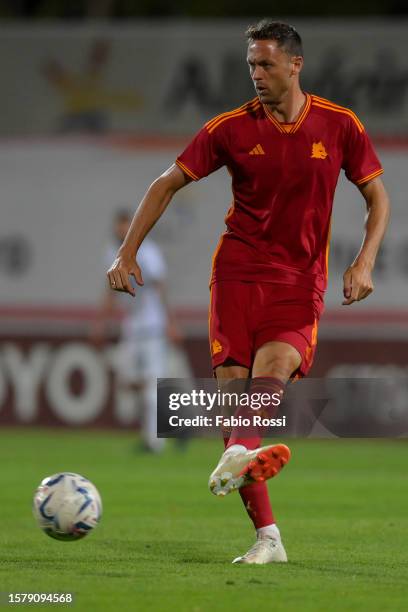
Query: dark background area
{"x":117,"y":9}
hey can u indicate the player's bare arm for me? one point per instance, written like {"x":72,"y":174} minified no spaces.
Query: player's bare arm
{"x":152,"y":206}
{"x":358,"y":283}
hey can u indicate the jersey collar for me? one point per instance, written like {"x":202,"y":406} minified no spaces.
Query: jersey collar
{"x":293,"y":127}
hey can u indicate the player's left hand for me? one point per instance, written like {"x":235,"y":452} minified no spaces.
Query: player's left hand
{"x":120,"y":272}
{"x":357,"y":283}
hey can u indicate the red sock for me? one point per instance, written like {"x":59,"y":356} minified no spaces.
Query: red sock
{"x":251,"y":437}
{"x":256,"y":500}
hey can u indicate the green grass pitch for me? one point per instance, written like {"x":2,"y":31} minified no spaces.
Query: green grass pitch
{"x":166,"y":543}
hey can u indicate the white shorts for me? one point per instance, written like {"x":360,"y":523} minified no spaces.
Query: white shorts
{"x":141,"y":360}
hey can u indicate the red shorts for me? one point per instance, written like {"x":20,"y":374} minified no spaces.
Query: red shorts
{"x":245,"y":315}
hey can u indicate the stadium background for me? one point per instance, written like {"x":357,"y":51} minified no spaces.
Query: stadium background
{"x":69,"y":156}
{"x":75,"y":145}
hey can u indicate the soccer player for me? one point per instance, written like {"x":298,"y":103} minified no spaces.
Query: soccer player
{"x":147,"y":325}
{"x":284,"y":150}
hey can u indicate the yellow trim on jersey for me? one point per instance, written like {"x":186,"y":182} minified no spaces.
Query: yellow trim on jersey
{"x":231,"y":112}
{"x":333,"y":104}
{"x":338,"y":109}
{"x":217,"y":249}
{"x":273,"y":119}
{"x":289,"y":128}
{"x":187,"y":171}
{"x":243,"y":110}
{"x":302,"y":116}
{"x":211,"y":129}
{"x":209,"y":317}
{"x":344,"y":111}
{"x":314,"y":332}
{"x":369,"y":177}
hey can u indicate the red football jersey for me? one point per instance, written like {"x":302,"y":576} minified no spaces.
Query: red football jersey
{"x":283,"y":182}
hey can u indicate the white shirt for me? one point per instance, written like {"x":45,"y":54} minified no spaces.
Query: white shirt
{"x":145,"y":314}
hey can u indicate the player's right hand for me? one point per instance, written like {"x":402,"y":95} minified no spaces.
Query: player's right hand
{"x":120,"y":272}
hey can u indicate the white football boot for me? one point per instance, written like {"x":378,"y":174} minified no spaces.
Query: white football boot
{"x":239,"y":467}
{"x":267,"y":549}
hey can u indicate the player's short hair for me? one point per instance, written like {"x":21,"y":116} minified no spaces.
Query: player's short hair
{"x":284,"y":34}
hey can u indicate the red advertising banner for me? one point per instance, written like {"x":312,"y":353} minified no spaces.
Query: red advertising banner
{"x":68,"y":382}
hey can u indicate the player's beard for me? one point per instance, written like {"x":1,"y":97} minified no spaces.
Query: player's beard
{"x":269,"y":100}
{"x":272,"y":98}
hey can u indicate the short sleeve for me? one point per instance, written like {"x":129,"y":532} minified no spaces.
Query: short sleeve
{"x":205,"y":154}
{"x":360,"y":161}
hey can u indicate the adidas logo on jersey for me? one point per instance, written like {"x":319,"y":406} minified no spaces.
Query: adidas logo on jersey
{"x":258,"y":150}
{"x":318,"y":150}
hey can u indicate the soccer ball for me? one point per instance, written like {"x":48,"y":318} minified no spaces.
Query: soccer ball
{"x":67,"y":506}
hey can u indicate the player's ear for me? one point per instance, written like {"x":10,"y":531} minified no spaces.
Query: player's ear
{"x":297,"y":64}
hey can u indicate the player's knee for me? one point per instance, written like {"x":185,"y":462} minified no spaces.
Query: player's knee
{"x":227,"y":373}
{"x":231,"y":381}
{"x":278,"y":365}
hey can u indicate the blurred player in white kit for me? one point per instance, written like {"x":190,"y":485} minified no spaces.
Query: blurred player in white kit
{"x":146,"y":327}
